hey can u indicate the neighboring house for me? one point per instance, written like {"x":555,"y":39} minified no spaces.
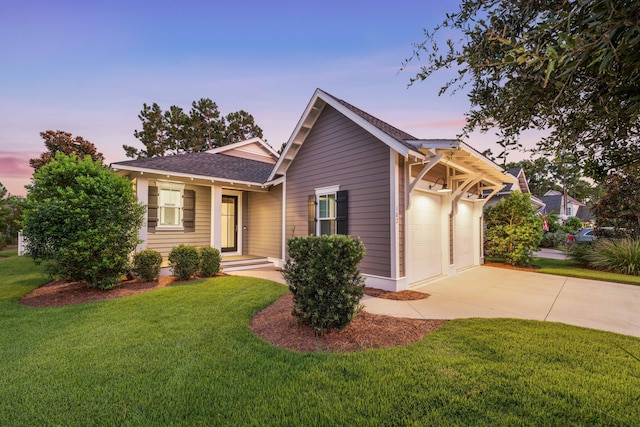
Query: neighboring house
{"x":522,"y":185}
{"x":414,"y":203}
{"x":564,"y":206}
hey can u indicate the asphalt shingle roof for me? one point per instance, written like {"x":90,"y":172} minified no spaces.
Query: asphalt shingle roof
{"x":212,"y":166}
{"x":395,"y":133}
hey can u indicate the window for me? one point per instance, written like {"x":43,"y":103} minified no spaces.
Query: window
{"x":569,"y":209}
{"x":170,"y":196}
{"x":328,"y":211}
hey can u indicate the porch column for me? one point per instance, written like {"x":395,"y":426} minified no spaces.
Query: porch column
{"x":142,"y":193}
{"x":216,"y":215}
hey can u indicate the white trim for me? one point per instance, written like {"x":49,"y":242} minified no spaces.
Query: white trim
{"x":239,"y":233}
{"x":394,"y":208}
{"x":325,"y":191}
{"x":283,"y":243}
{"x":170,"y":185}
{"x":385,"y":283}
{"x":216,"y":214}
{"x":239,"y":144}
{"x":142,"y":193}
{"x":308,"y":119}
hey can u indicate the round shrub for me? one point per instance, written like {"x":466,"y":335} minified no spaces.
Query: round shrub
{"x":184,"y":261}
{"x":323,"y":276}
{"x":147,"y":264}
{"x":209,"y":261}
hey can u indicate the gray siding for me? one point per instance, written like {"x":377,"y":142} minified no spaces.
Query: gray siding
{"x":338,"y":152}
{"x":164,"y":240}
{"x":264,"y":223}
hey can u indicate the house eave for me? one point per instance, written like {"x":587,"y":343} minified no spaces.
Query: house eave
{"x":159,"y":174}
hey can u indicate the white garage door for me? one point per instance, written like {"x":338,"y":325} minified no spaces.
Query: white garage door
{"x":424,"y":248}
{"x":463,"y":235}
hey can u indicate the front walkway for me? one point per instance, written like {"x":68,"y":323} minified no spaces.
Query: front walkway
{"x":491,"y":292}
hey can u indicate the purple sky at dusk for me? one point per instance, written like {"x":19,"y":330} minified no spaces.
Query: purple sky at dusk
{"x":87,"y":67}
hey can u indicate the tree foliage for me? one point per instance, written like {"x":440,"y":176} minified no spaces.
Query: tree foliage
{"x":82,"y":220}
{"x":63,"y":142}
{"x":10,"y":216}
{"x":544,"y":174}
{"x":174,"y":131}
{"x":570,"y":67}
{"x":513,"y":231}
{"x":619,"y":207}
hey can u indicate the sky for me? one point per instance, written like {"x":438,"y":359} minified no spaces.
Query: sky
{"x":87,"y":67}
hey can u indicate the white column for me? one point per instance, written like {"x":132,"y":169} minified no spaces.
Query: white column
{"x":142,"y":192}
{"x":216,"y":215}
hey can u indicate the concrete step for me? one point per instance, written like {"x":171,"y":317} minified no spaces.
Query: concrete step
{"x":245,"y":264}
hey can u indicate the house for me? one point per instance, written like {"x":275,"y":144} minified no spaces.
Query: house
{"x":563,"y":205}
{"x":522,"y":185}
{"x":415,"y":203}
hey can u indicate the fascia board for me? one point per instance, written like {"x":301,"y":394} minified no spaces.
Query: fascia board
{"x":116,"y":167}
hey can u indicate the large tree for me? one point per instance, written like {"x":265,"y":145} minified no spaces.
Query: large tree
{"x":82,"y":220}
{"x":63,"y":142}
{"x":569,"y":67}
{"x":203,"y":128}
{"x":619,"y":207}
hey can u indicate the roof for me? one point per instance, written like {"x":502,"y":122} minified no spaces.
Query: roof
{"x":391,"y":136}
{"x":209,"y":165}
{"x":554,"y":202}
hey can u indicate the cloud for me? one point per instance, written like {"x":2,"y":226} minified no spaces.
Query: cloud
{"x":16,"y":164}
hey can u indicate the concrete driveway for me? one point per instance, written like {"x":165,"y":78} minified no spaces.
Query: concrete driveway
{"x":490,"y":292}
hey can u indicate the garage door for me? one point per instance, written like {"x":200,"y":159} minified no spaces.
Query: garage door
{"x":424,"y":248}
{"x":463,"y":235}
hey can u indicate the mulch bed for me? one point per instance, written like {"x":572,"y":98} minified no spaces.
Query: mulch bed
{"x":398,"y":296}
{"x":60,"y":293}
{"x":279,"y":327}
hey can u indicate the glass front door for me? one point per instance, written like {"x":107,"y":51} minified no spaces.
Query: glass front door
{"x":229,"y":223}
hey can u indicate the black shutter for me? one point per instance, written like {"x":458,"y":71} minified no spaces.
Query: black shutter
{"x":152,"y":209}
{"x":311,"y":216}
{"x":342,"y":212}
{"x":189,"y":210}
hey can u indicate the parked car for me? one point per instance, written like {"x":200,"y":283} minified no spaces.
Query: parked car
{"x":585,"y":235}
{"x":588,"y":234}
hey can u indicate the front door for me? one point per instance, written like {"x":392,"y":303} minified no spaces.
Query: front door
{"x":229,"y":223}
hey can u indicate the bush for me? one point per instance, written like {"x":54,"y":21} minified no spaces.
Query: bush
{"x":553,"y":240}
{"x":147,"y":264}
{"x":184,"y":261}
{"x":621,"y":256}
{"x":513,"y":231}
{"x":209,"y":261}
{"x":82,"y":221}
{"x":323,"y":276}
{"x":580,"y":252}
{"x":573,"y":224}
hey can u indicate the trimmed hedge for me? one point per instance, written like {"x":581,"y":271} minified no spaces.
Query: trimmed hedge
{"x":147,"y":264}
{"x":323,"y":276}
{"x":184,"y":261}
{"x":209,"y":261}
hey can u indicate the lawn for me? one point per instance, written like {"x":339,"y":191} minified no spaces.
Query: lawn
{"x":184,"y":355}
{"x":566,"y":268}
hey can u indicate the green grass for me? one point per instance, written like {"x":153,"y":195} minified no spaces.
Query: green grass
{"x":184,"y":355}
{"x":566,"y":268}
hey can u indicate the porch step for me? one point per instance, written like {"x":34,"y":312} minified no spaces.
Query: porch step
{"x":245,"y":264}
